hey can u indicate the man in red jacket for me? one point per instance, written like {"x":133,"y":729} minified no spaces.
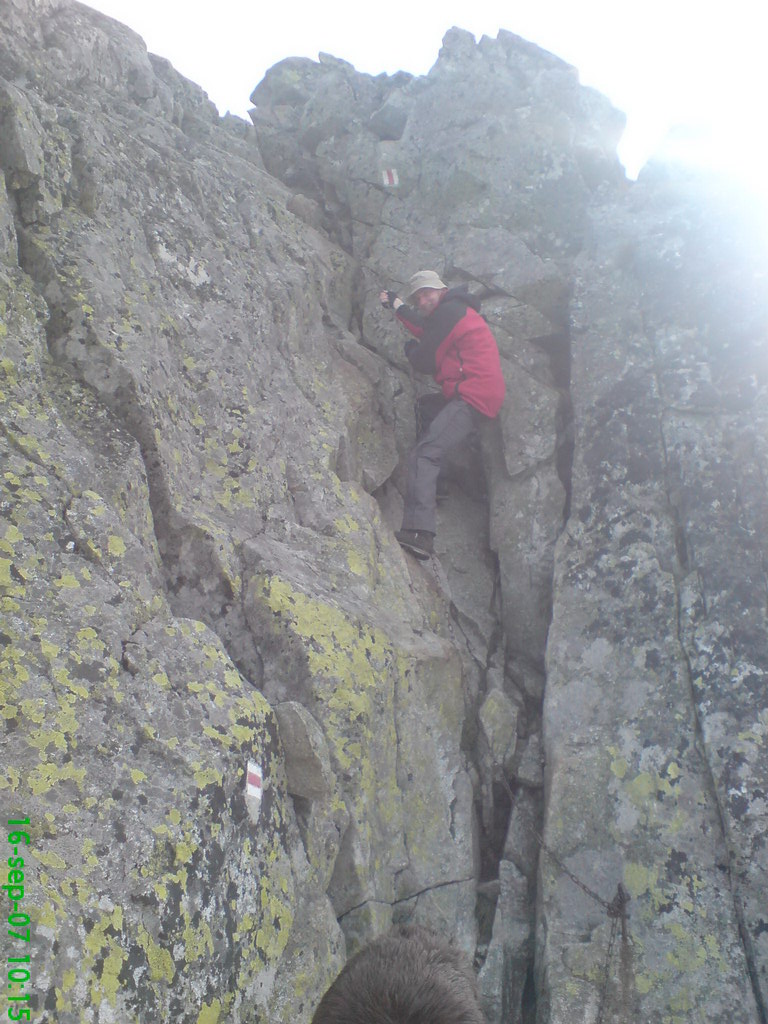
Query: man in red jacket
{"x":457,"y":347}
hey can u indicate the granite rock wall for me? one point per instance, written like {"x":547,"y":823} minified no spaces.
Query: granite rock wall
{"x":204,"y":412}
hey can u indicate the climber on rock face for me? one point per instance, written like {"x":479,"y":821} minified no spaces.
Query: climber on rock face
{"x":457,"y":347}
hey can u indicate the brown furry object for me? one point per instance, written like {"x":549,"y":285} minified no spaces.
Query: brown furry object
{"x":409,"y":976}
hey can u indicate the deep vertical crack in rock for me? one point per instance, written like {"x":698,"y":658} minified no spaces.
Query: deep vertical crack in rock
{"x":518,"y":806}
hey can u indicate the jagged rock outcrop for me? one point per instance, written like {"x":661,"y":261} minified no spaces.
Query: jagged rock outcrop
{"x":204,"y":411}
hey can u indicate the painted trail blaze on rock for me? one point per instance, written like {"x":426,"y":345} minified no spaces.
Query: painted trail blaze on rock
{"x":254,"y":790}
{"x":254,"y":783}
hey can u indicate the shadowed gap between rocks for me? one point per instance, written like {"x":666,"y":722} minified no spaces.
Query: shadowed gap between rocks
{"x":508,"y":889}
{"x":508,"y":798}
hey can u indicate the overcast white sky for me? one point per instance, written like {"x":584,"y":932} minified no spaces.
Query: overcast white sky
{"x":700,"y":63}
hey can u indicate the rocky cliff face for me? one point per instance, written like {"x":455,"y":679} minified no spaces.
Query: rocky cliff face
{"x":203,"y":414}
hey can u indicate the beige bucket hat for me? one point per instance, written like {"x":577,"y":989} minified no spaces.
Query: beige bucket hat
{"x":424,"y":279}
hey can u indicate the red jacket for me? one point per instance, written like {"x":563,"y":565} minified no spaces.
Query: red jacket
{"x":457,"y":347}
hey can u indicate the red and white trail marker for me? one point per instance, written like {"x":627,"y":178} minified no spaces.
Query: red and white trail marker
{"x":254,"y":790}
{"x":390,"y":178}
{"x":254,"y":781}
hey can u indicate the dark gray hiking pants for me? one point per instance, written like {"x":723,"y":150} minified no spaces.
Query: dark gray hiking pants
{"x":452,"y":425}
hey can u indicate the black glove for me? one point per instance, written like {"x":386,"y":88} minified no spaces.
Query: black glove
{"x":389,"y":304}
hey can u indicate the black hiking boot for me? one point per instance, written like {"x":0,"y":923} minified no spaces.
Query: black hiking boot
{"x":420,"y":543}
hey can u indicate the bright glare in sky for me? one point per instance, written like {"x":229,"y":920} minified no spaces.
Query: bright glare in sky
{"x":665,"y":63}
